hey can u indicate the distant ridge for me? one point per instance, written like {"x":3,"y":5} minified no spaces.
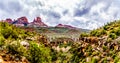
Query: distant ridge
{"x":65,"y":26}
{"x":37,"y":22}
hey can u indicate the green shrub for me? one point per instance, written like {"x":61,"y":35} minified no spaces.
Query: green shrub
{"x":9,"y":31}
{"x":38,"y":53}
{"x":112,"y":35}
{"x":99,"y":33}
{"x":118,"y":32}
{"x":14,"y":34}
{"x":109,"y":40}
{"x":113,"y":31}
{"x":106,"y":27}
{"x":104,"y":60}
{"x":78,"y":54}
{"x":117,"y":59}
{"x":103,"y":32}
{"x":1,"y":40}
{"x":54,"y":55}
{"x":83,"y":35}
{"x":93,"y":33}
{"x":104,"y":48}
{"x":63,"y":57}
{"x":16,"y":48}
{"x":6,"y":32}
{"x":94,"y":60}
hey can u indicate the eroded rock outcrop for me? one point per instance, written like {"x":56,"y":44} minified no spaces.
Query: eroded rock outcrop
{"x":37,"y":22}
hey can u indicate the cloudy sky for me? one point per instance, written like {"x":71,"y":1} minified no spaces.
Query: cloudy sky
{"x":88,"y":14}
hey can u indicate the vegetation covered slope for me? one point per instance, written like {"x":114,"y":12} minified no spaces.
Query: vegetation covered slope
{"x":18,"y":45}
{"x":99,"y":46}
{"x":59,"y":30}
{"x":111,"y":29}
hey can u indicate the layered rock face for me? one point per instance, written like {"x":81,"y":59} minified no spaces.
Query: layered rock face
{"x":22,"y":20}
{"x":37,"y":22}
{"x":9,"y":20}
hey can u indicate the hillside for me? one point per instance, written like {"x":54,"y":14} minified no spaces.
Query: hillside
{"x":101,"y":45}
{"x":59,"y":30}
{"x":19,"y":45}
{"x":111,"y":29}
{"x":30,"y":45}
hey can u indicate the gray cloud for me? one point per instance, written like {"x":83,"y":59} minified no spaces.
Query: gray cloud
{"x":14,"y":6}
{"x":79,"y":13}
{"x":10,"y":7}
{"x":65,"y":12}
{"x":54,"y":15}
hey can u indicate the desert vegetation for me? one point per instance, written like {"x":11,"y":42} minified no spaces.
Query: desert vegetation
{"x":28,"y":45}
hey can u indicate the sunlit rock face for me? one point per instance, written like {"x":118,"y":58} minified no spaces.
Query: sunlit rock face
{"x":22,"y":20}
{"x":37,"y":22}
{"x":9,"y":20}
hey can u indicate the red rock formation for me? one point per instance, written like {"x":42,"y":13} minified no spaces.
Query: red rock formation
{"x":60,"y":25}
{"x":8,"y":20}
{"x":65,"y":26}
{"x":22,"y":20}
{"x":38,"y":22}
